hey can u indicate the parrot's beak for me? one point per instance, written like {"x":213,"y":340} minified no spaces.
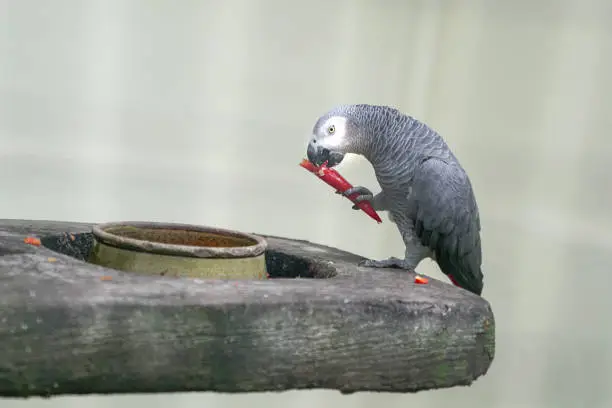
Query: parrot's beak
{"x":318,"y":155}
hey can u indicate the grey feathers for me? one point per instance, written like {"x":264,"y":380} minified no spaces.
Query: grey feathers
{"x":446,"y":220}
{"x":426,"y":191}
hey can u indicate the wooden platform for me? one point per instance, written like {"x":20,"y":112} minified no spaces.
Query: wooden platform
{"x":70,"y":327}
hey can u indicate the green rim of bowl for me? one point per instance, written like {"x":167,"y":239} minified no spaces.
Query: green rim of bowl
{"x":101,"y":234}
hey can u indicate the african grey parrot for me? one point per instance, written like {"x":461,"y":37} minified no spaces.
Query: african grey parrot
{"x":424,"y":188}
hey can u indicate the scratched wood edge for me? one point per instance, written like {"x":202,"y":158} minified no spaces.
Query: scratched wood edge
{"x":69,"y":327}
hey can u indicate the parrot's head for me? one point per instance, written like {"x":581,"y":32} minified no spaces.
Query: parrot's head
{"x":333,"y":135}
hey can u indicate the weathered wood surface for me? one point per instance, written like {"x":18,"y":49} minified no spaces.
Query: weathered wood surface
{"x":66,"y":330}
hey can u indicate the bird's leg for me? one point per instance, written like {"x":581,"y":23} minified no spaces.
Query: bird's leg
{"x":379,"y":204}
{"x":364,"y":194}
{"x":377,"y":201}
{"x":413,"y":255}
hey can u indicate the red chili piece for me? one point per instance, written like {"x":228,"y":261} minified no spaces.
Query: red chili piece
{"x":334,"y":179}
{"x":32,"y":241}
{"x":420,"y":280}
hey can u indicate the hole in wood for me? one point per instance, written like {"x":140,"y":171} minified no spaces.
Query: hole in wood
{"x":279,"y":265}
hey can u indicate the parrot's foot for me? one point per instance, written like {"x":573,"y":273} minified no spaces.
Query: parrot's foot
{"x":364,"y":195}
{"x":392,"y":262}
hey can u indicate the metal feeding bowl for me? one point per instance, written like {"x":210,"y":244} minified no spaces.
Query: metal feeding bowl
{"x":179,"y":250}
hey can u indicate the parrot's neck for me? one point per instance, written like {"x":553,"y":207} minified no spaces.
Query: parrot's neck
{"x":393,"y":159}
{"x":395,"y":151}
{"x":394,"y":143}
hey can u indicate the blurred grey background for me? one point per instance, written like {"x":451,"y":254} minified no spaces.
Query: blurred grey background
{"x":199,"y":112}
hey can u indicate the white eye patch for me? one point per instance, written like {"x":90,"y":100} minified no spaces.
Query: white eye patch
{"x":336,"y":138}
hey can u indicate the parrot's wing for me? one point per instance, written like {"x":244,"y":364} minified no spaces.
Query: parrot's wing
{"x":447,"y":221}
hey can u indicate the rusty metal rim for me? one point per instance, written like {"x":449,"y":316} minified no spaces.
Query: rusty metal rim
{"x":100,"y":234}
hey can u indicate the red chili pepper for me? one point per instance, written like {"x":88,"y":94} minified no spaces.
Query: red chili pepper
{"x":334,"y":179}
{"x":421,"y":280}
{"x":32,"y":241}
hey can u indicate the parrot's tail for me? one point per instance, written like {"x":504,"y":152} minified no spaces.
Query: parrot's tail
{"x":453,"y":280}
{"x":462,"y":274}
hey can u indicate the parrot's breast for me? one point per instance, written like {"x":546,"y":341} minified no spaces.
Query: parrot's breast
{"x":400,"y":205}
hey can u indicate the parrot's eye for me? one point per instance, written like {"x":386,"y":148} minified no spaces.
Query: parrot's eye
{"x":331,"y":129}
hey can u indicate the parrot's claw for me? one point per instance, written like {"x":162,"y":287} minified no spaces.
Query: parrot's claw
{"x":362,"y":191}
{"x":392,"y":262}
{"x":364,"y":195}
